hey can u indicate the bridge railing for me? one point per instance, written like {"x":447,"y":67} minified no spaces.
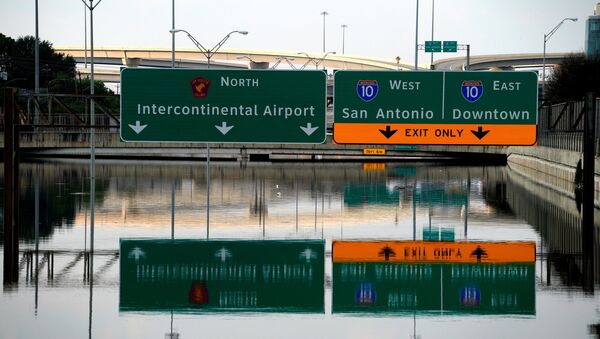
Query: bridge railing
{"x":69,"y":111}
{"x":561,"y":126}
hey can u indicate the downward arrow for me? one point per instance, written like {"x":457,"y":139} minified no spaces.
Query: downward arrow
{"x":480,"y":133}
{"x":309,"y":129}
{"x":224,"y":128}
{"x":137,"y":128}
{"x":388,"y":132}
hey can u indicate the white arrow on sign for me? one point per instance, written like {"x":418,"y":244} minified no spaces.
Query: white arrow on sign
{"x":224,"y":128}
{"x":309,"y":129}
{"x":137,"y":128}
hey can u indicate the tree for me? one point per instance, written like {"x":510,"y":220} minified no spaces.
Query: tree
{"x":66,"y":85}
{"x":17,"y":58}
{"x":577,"y":75}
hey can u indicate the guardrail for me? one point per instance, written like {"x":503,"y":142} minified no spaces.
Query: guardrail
{"x":561,"y":126}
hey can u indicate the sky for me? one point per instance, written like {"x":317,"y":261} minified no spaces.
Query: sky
{"x":376,"y":28}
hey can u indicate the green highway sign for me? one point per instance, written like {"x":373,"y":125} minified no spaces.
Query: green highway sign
{"x":447,"y":108}
{"x":223,"y":106}
{"x":433,"y":46}
{"x":195,"y":276}
{"x":457,"y":288}
{"x":450,"y":46}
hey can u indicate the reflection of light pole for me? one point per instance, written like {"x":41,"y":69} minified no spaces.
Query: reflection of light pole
{"x":546,"y":38}
{"x":344,"y":26}
{"x":208,"y":53}
{"x":324,"y":13}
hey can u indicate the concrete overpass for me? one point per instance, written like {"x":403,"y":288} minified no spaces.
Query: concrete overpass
{"x":500,"y":61}
{"x":244,"y":59}
{"x":230,"y":58}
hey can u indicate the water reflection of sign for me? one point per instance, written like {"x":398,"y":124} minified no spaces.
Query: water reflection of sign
{"x":498,"y":288}
{"x":442,"y":194}
{"x":373,"y":166}
{"x":369,"y":193}
{"x":435,"y":251}
{"x":208,"y":276}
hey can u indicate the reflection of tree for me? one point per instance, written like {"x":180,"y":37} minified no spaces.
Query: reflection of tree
{"x":60,"y":198}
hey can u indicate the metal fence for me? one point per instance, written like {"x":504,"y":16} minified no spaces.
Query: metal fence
{"x":69,"y":111}
{"x":561,"y":126}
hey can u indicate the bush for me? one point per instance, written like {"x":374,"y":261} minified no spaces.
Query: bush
{"x":573,"y":78}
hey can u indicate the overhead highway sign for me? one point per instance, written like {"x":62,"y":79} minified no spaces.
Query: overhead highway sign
{"x":224,"y":106}
{"x":444,"y":108}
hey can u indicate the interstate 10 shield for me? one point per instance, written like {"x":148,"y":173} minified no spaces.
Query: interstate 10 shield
{"x":472,"y":90}
{"x":367,"y":89}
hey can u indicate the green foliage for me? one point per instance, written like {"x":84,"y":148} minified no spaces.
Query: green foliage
{"x":65,"y":85}
{"x":17,"y":58}
{"x":576,"y":76}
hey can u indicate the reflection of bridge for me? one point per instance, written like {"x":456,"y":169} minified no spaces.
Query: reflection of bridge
{"x":74,"y":267}
{"x":243,"y":59}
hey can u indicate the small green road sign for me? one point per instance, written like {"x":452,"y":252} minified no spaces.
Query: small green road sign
{"x":450,"y":46}
{"x":195,"y":276}
{"x":224,"y":106}
{"x":433,"y":46}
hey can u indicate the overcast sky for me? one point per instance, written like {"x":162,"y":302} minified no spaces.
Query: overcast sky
{"x":376,"y":28}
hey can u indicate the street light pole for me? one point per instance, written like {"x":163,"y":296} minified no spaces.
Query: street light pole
{"x":344,"y":26}
{"x":37,"y":63}
{"x":317,"y":63}
{"x":208,"y":53}
{"x":432,"y":27}
{"x":173,"y":36}
{"x":85,"y":36}
{"x":310,"y":59}
{"x":417,"y":37}
{"x":546,"y":38}
{"x":324,"y":13}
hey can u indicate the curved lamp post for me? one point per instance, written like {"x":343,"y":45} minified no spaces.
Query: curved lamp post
{"x":546,"y":38}
{"x":320,"y":61}
{"x":310,"y":59}
{"x":208,"y":53}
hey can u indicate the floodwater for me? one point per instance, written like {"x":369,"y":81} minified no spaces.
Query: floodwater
{"x":270,"y":254}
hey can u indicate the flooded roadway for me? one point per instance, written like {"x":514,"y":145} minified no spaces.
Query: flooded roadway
{"x":270,"y":268}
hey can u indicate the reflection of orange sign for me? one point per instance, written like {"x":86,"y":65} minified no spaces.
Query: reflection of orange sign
{"x":434,"y":134}
{"x":374,"y":166}
{"x":435,"y":251}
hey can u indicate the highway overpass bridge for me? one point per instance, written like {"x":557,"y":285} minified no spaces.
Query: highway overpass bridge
{"x":107,"y":58}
